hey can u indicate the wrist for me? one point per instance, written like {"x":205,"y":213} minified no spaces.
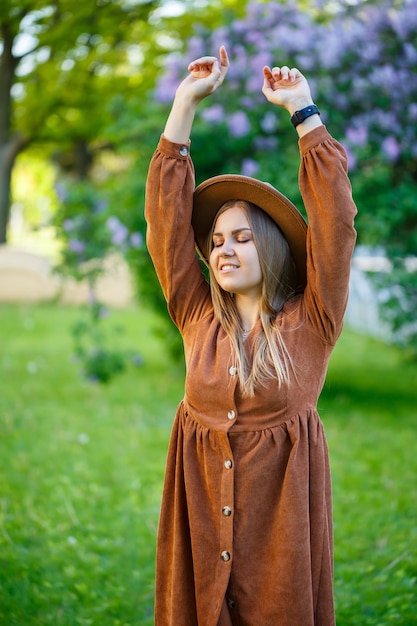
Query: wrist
{"x":184,"y":103}
{"x":309,"y":124}
{"x":303,"y":114}
{"x":180,"y":120}
{"x":298,"y":104}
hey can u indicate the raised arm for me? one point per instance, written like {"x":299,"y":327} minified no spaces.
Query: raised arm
{"x":206,"y":75}
{"x":169,"y":195}
{"x":327,"y":196}
{"x":289,"y":89}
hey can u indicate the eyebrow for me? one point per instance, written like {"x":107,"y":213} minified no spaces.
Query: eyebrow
{"x":234,"y":232}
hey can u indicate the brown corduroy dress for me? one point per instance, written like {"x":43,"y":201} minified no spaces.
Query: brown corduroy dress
{"x":246,"y":517}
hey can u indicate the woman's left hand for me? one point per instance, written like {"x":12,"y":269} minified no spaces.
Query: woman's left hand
{"x":287,"y":88}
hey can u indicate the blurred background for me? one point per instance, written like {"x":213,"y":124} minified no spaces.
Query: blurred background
{"x":91,"y":367}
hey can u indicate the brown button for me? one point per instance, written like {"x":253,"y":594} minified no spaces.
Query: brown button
{"x":228,"y":464}
{"x":227,"y":511}
{"x":231,"y":415}
{"x":225,"y":555}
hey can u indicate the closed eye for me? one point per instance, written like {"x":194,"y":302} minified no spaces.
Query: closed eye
{"x":240,"y":236}
{"x":218,"y":244}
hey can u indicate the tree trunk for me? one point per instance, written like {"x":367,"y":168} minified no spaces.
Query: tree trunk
{"x":8,"y":154}
{"x":5,"y":176}
{"x":8,"y":144}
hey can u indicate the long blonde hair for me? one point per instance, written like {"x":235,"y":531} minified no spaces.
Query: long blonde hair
{"x":270,"y":357}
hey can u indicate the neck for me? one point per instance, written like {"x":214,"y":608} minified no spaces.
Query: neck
{"x":248,"y":310}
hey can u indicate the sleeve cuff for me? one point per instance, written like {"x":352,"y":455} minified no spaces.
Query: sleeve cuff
{"x":174,"y":150}
{"x":313,"y":138}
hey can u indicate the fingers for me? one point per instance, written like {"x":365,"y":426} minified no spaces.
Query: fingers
{"x":203,"y":63}
{"x":224,"y":59}
{"x":209,"y":62}
{"x":283,"y":73}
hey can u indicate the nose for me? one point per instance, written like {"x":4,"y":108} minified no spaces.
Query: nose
{"x":227,"y":248}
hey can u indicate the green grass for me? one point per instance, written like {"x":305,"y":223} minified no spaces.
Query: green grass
{"x":81,"y":469}
{"x":369,"y":406}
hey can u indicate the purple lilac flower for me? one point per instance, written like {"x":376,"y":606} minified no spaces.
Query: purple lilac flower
{"x":239,"y":65}
{"x":118,"y":231}
{"x":68,"y":225}
{"x":100,"y":206}
{"x":196,"y":48}
{"x":61,"y":191}
{"x":240,"y":27}
{"x":257,"y":39}
{"x":77,"y":246}
{"x":249,"y":167}
{"x":112,"y":223}
{"x":167,"y":85}
{"x":119,"y":236}
{"x":269,"y":122}
{"x":357,"y":136}
{"x":254,"y":83}
{"x":391,"y":148}
{"x":238,"y":124}
{"x":351,"y":157}
{"x":386,"y":120}
{"x":247,"y":102}
{"x":213,"y":114}
{"x":266,"y":144}
{"x":410,"y":53}
{"x":412,"y":111}
{"x":220,"y":38}
{"x":258,"y":61}
{"x":136,"y":240}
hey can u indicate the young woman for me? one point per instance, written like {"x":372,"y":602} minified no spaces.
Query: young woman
{"x":245,"y":533}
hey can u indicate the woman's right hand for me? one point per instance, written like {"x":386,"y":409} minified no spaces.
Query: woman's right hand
{"x":206,"y":75}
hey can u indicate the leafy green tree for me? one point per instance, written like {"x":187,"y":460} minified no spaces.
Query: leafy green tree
{"x":61,"y":62}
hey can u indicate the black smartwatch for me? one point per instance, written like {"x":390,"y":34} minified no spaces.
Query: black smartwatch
{"x":303,"y":114}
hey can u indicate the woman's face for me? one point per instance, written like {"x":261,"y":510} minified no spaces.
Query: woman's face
{"x":234,"y":259}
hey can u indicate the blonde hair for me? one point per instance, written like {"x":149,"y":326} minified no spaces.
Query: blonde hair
{"x":270,"y":357}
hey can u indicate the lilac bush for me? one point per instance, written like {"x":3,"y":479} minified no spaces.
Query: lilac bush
{"x":361,"y":63}
{"x":89,"y":234}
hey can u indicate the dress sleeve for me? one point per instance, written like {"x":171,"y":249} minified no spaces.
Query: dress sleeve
{"x":169,"y":236}
{"x":331,"y":236}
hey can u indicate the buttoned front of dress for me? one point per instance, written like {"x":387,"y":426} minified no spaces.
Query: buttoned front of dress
{"x":246,"y":507}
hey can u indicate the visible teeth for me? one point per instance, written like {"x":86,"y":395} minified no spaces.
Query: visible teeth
{"x":228,"y":267}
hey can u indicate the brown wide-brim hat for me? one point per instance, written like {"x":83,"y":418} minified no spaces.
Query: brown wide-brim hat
{"x":210,"y":195}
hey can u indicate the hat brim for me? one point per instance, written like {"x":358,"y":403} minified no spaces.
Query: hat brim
{"x":210,"y":195}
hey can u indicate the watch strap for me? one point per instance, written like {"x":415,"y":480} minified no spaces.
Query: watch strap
{"x":303,"y":114}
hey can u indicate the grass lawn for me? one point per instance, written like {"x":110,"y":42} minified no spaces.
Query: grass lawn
{"x":81,"y":469}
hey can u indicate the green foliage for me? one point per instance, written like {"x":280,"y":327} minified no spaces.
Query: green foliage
{"x":81,"y":471}
{"x":60,"y":65}
{"x":90,"y":234}
{"x":126,"y":195}
{"x":94,"y":345}
{"x":399,"y":288}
